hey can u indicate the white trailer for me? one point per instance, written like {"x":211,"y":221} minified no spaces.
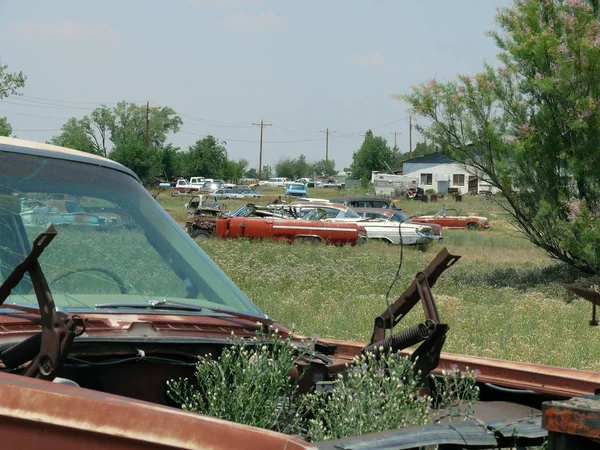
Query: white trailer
{"x":386,"y":183}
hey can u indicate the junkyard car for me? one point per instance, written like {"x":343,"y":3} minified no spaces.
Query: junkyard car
{"x":290,"y":230}
{"x":295,"y":190}
{"x":377,"y":229}
{"x":394,"y":215}
{"x":364,"y":201}
{"x":451,"y":218}
{"x":226,"y":194}
{"x":93,"y":325}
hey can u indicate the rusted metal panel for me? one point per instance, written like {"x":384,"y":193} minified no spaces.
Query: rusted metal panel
{"x":577,"y":416}
{"x":536,"y":377}
{"x":38,"y":414}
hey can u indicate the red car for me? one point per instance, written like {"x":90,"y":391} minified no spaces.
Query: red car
{"x":291,"y":230}
{"x":451,"y":218}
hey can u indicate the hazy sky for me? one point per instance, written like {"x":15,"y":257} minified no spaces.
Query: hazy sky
{"x":301,"y":65}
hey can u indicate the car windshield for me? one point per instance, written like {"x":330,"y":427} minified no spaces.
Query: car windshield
{"x":298,"y":187}
{"x":124,"y":248}
{"x":351,"y":214}
{"x":399,"y":217}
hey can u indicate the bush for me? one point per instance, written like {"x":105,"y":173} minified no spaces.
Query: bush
{"x":249,"y":383}
{"x":379,"y":392}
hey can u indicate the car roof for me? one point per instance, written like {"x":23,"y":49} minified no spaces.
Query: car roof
{"x":15,"y":145}
{"x":337,"y":206}
{"x":386,"y":211}
{"x":361,"y":198}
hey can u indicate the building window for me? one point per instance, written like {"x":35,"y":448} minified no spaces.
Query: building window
{"x":458,"y":179}
{"x":427,"y":179}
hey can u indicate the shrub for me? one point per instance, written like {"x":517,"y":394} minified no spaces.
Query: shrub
{"x":379,"y":392}
{"x":248,"y":384}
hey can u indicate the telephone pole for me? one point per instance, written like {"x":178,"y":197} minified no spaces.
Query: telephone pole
{"x":148,"y":108}
{"x":262,"y":125}
{"x":395,"y":133}
{"x":410,"y":136}
{"x":327,"y":133}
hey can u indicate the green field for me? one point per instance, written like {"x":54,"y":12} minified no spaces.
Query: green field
{"x":502,"y":299}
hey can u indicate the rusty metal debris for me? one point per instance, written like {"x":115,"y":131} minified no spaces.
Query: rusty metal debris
{"x":572,"y":424}
{"x":48,"y":349}
{"x":432,"y":333}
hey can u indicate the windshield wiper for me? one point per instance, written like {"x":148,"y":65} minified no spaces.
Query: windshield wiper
{"x":178,"y":306}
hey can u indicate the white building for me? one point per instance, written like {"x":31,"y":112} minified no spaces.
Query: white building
{"x":442,"y":174}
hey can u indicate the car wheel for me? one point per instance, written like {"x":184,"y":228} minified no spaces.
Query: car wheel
{"x":227,"y":198}
{"x":472,"y":226}
{"x":200,"y":235}
{"x":308,"y":240}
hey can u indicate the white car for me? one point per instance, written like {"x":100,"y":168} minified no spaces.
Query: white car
{"x":377,"y":229}
{"x":226,"y":194}
{"x":273,"y":182}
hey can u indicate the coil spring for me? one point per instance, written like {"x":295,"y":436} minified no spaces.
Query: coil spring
{"x":400,"y":341}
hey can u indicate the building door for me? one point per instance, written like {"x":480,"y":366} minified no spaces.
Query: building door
{"x":473,"y":184}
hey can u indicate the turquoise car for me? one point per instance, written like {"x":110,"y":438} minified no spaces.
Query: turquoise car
{"x":295,"y":190}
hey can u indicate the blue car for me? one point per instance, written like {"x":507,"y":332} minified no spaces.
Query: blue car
{"x":295,"y":190}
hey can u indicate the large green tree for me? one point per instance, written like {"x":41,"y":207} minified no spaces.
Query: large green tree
{"x":5,"y":128}
{"x":206,"y":158}
{"x":373,"y":154}
{"x":532,"y":126}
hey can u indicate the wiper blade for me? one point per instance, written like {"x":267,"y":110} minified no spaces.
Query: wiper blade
{"x":151,"y":304}
{"x":178,"y":306}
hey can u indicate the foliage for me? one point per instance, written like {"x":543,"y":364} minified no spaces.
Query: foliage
{"x":293,"y":168}
{"x":5,"y":128}
{"x":379,"y":392}
{"x":421,"y":149}
{"x":324,"y":167}
{"x":373,"y":154}
{"x":300,"y":168}
{"x":73,"y":135}
{"x":455,"y":392}
{"x":248,"y":384}
{"x":234,"y":170}
{"x":207,"y":157}
{"x":10,"y":83}
{"x":532,"y":126}
{"x":251,"y":173}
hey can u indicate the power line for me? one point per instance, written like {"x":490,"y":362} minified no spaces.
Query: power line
{"x":45,"y":106}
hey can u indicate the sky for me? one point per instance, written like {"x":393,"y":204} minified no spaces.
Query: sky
{"x":222,"y":65}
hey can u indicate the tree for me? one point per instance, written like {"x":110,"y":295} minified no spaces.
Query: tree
{"x":10,"y":83}
{"x":233,"y":170}
{"x":373,"y":154}
{"x":5,"y":128}
{"x":73,"y":135}
{"x":251,"y":173}
{"x":127,"y":124}
{"x":286,"y":167}
{"x":532,"y":126}
{"x":206,"y":158}
{"x":323,"y":168}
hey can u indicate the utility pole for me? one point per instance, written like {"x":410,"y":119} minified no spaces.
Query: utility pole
{"x":395,"y":133}
{"x":410,"y":136}
{"x":148,"y":108}
{"x":147,"y":122}
{"x":327,"y":133}
{"x":262,"y":125}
